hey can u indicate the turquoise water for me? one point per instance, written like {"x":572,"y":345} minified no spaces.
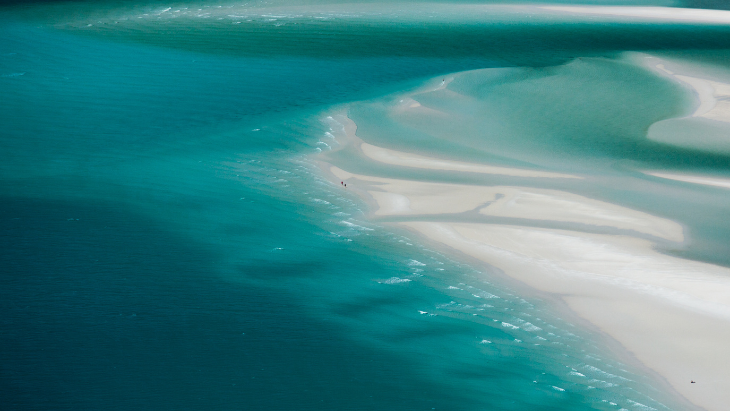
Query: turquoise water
{"x":168,"y":242}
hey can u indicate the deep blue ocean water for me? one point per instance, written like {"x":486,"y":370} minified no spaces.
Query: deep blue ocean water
{"x":166,"y":241}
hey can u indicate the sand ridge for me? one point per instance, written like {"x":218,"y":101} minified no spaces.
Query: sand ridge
{"x":694,"y":179}
{"x":660,"y":308}
{"x":673,"y":14}
{"x":399,"y":158}
{"x":714,"y":96}
{"x":407,"y":197}
{"x":672,"y":314}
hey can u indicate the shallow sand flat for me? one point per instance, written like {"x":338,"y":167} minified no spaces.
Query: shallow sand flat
{"x":713,"y":96}
{"x":672,"y":314}
{"x":410,"y":105}
{"x":407,"y":197}
{"x":704,"y":180}
{"x":404,"y":197}
{"x":708,"y":126}
{"x":553,"y":205}
{"x":674,"y":14}
{"x":399,"y":158}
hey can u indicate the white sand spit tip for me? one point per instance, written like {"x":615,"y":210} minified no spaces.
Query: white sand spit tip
{"x":714,"y":97}
{"x":675,"y":14}
{"x":694,"y":179}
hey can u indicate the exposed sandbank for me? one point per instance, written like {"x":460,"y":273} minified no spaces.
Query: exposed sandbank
{"x":673,"y":14}
{"x":713,"y":95}
{"x":694,"y":179}
{"x":406,"y":197}
{"x":708,"y":127}
{"x":399,"y":158}
{"x":672,"y":314}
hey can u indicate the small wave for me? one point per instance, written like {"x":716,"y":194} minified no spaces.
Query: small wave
{"x":530,"y":327}
{"x":557,"y":388}
{"x":13,"y":75}
{"x":413,"y":263}
{"x":395,"y":280}
{"x":484,"y":294}
{"x":604,"y":373}
{"x":320,"y":201}
{"x":508,"y":325}
{"x":485,"y":342}
{"x":355,"y":226}
{"x":640,"y":405}
{"x":602,"y":384}
{"x":576,"y":373}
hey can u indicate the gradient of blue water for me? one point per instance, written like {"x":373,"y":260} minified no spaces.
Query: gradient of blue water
{"x":167,"y":243}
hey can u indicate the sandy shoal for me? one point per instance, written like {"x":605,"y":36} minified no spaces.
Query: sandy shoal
{"x":713,"y":96}
{"x":694,"y":179}
{"x":406,"y":197}
{"x":672,"y":314}
{"x":398,"y":158}
{"x":674,"y":14}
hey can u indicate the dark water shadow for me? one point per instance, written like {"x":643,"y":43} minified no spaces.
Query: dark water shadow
{"x":104,"y":309}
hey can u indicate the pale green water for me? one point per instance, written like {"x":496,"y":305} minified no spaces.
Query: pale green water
{"x":168,"y":244}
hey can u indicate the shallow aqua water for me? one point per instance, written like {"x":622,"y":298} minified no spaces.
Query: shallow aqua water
{"x":168,"y":242}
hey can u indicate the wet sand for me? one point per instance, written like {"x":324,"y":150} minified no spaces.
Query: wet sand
{"x":671,"y":314}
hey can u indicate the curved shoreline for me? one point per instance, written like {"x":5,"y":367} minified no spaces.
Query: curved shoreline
{"x":666,"y":312}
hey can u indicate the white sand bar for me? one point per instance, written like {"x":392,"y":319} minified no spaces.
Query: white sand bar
{"x":553,"y":205}
{"x":672,"y":314}
{"x":398,"y":158}
{"x":406,"y":197}
{"x":673,"y":14}
{"x":704,"y":180}
{"x":714,"y":96}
